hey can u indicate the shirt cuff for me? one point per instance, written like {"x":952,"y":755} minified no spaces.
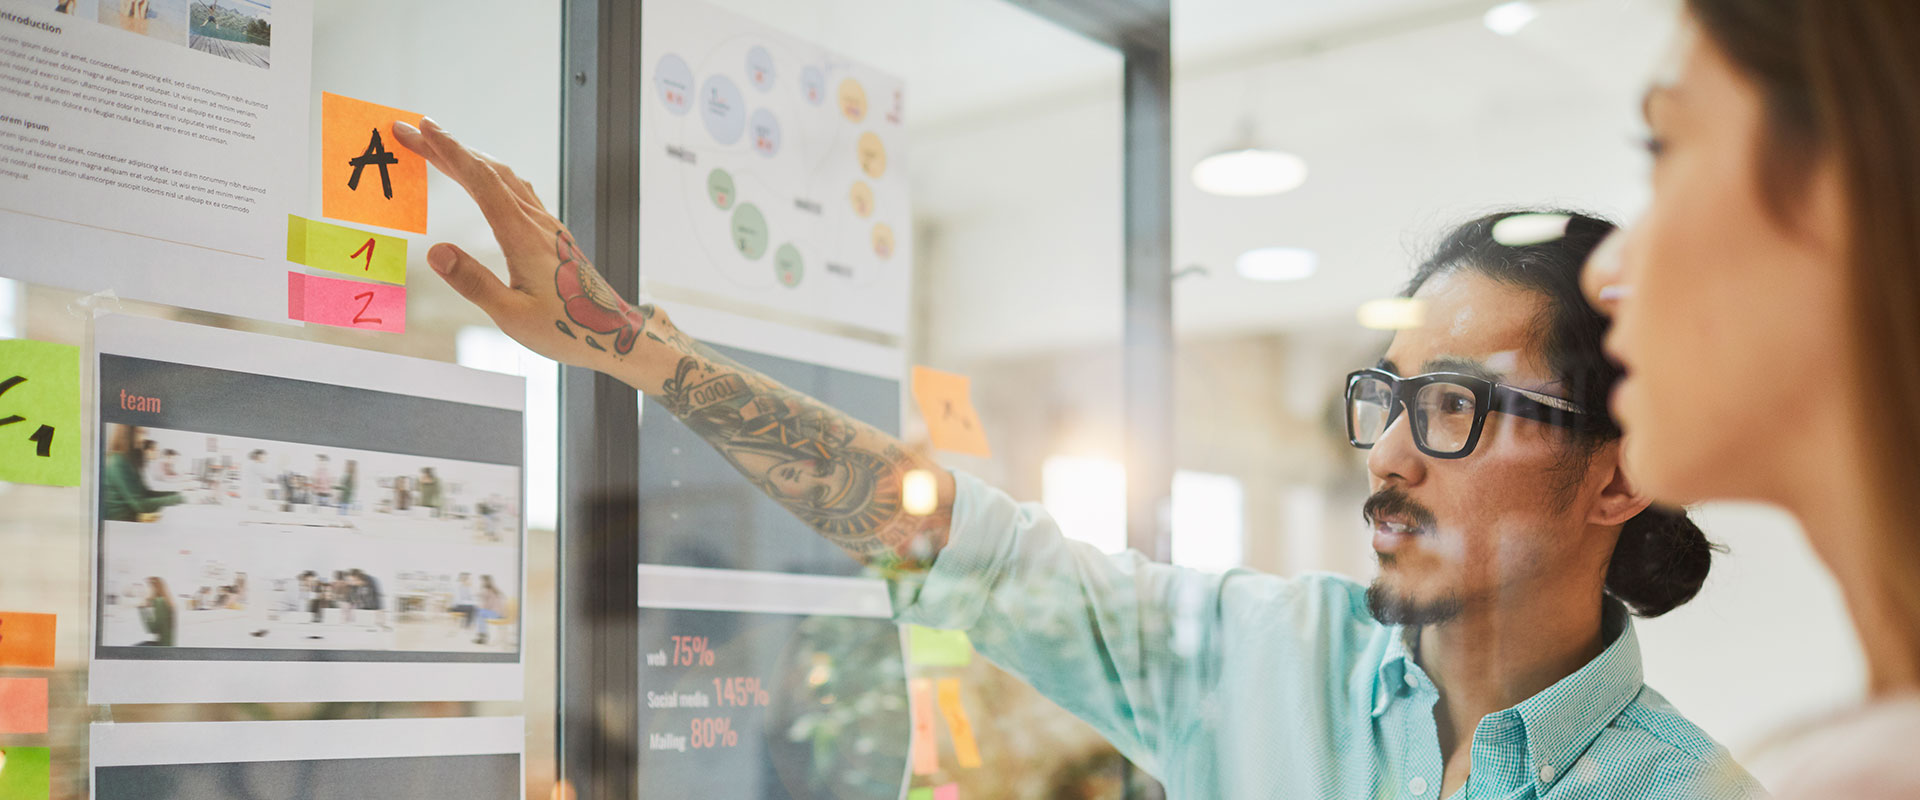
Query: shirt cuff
{"x":980,"y":542}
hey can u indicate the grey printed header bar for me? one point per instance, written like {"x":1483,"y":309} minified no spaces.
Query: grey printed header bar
{"x":160,"y":394}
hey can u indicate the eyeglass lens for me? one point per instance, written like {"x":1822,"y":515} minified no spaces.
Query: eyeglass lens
{"x":1442,"y":413}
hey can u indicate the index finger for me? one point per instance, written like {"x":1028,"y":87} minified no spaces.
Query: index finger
{"x":488,"y":190}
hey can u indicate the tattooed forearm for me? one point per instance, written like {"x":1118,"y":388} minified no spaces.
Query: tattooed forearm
{"x":840,"y":476}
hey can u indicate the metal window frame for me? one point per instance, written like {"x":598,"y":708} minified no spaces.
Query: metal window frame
{"x":599,"y":655}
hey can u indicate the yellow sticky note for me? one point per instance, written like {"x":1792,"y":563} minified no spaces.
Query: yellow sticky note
{"x":348,"y":251}
{"x":366,"y":176}
{"x":39,"y":412}
{"x":946,"y":402}
{"x":925,"y":748}
{"x":964,"y":747}
{"x":937,"y":648}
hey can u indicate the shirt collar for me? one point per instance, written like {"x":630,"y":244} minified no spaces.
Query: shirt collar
{"x":1563,"y":720}
{"x":1560,"y":722}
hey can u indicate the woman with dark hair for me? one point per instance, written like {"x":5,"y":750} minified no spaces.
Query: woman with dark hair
{"x":124,"y":494}
{"x":1767,"y":315}
{"x":157,"y":613}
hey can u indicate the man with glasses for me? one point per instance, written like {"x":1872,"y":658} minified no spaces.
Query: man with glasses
{"x":1492,"y":655}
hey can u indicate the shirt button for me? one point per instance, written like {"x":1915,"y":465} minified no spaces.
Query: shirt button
{"x":1546,"y":772}
{"x":1418,"y":786}
{"x":1412,"y":682}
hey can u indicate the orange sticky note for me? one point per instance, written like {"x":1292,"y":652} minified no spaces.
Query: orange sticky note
{"x":366,"y":176}
{"x":23,"y":705}
{"x":964,"y":747}
{"x":926,"y":751}
{"x":347,"y":304}
{"x":946,"y":403}
{"x":26,"y":640}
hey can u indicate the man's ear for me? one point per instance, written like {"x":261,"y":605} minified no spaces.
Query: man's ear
{"x":1620,"y":499}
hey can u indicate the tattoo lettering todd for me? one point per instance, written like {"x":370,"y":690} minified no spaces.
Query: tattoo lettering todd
{"x":591,"y":304}
{"x":799,"y":452}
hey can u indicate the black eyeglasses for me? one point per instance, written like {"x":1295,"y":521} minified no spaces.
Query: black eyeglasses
{"x":1447,"y":409}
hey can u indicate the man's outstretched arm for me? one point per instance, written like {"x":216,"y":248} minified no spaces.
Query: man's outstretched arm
{"x":841,"y":476}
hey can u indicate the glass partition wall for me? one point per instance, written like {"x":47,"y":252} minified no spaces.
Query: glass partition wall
{"x":983,"y":231}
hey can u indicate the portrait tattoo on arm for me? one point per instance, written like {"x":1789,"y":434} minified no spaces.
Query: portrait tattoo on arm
{"x":591,"y":304}
{"x":838,"y":475}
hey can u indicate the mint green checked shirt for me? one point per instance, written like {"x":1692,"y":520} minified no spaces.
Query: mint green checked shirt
{"x":1247,"y":685}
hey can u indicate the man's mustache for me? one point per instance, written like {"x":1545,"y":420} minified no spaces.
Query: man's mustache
{"x":1391,"y":502}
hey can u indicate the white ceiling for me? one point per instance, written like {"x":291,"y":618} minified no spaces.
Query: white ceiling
{"x":1404,"y":134}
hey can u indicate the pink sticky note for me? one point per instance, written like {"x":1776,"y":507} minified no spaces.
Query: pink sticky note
{"x":23,"y":705}
{"x":347,"y":304}
{"x":924,"y":748}
{"x":950,"y":791}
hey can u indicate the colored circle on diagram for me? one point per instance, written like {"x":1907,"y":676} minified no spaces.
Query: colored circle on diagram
{"x":674,"y":81}
{"x":813,"y":85}
{"x":722,"y":109}
{"x":765,"y":130}
{"x":787,"y":266}
{"x":760,"y":68}
{"x":882,"y":240}
{"x":873,"y":155}
{"x":861,"y":195}
{"x":749,"y":231}
{"x":720,"y":189}
{"x":853,"y":100}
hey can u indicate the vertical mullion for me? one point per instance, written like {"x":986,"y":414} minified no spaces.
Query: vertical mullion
{"x":599,"y":457}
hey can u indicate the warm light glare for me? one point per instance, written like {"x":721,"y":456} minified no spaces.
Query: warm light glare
{"x":1393,"y":313}
{"x":1251,"y":172}
{"x":1276,"y":264}
{"x":1507,"y":19}
{"x":1521,"y":230}
{"x":919,"y":492}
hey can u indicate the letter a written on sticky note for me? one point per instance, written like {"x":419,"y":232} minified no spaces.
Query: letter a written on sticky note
{"x":23,"y":705}
{"x":366,"y":176}
{"x":346,"y":304}
{"x":946,"y":403}
{"x":25,"y":773}
{"x":39,"y":413}
{"x":26,"y":640}
{"x":348,"y":251}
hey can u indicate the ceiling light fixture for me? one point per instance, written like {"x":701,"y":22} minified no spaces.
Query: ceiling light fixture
{"x":1507,"y":19}
{"x":1521,"y":230}
{"x":1276,"y":264}
{"x":1247,"y":169}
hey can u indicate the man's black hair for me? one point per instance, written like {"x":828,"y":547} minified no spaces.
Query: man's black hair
{"x":1662,"y":557}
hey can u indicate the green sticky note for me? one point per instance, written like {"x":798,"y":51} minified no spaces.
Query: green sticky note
{"x":938,"y":648}
{"x":922,"y":793}
{"x":39,"y":412}
{"x":348,"y":251}
{"x":25,"y":773}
